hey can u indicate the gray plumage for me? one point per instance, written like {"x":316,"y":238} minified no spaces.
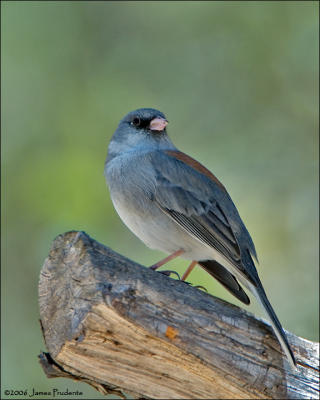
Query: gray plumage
{"x":172,"y":202}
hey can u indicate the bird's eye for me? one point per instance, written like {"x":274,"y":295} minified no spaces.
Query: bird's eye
{"x":136,"y":121}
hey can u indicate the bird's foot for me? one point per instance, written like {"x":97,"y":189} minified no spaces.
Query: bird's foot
{"x":168,"y":273}
{"x":201,"y":288}
{"x":197,"y":286}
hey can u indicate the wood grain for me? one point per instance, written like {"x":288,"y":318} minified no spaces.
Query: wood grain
{"x":124,"y":328}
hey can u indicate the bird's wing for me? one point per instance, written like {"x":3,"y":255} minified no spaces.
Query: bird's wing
{"x":194,"y":198}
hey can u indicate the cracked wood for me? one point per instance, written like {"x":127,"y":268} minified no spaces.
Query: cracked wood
{"x":123,"y":328}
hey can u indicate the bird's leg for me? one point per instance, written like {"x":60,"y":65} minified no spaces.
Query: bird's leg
{"x":165,"y":260}
{"x":189,"y":269}
{"x":187,"y":273}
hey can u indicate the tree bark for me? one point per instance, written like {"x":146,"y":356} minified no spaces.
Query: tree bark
{"x":124,"y":328}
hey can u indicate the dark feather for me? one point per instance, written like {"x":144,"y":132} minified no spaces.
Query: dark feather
{"x":208,"y":234}
{"x":275,"y":322}
{"x":225,"y":278}
{"x":203,"y":208}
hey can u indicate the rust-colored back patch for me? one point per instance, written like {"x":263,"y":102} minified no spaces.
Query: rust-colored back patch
{"x":171,"y":332}
{"x":195,"y":164}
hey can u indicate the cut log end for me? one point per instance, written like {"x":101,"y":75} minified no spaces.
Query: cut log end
{"x":123,"y":328}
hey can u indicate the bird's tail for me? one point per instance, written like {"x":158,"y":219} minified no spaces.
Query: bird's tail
{"x":262,"y":297}
{"x":222,"y":275}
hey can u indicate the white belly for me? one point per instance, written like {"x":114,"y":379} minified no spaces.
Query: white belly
{"x":160,"y":232}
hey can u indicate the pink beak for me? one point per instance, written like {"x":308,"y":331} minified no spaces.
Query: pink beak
{"x":158,"y":124}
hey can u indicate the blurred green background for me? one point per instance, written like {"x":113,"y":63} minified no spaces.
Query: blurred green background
{"x":238,"y":82}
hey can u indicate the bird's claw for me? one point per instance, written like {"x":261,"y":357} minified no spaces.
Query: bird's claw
{"x":187,"y":283}
{"x":201,"y":288}
{"x":197,"y":287}
{"x":168,"y":273}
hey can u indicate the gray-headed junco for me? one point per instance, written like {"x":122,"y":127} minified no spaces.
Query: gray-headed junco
{"x":174,"y":204}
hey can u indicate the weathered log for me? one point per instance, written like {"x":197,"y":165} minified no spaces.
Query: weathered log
{"x":124,"y":328}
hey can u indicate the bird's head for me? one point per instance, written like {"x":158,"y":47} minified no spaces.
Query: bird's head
{"x":140,"y":130}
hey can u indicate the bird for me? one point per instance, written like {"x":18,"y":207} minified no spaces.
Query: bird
{"x":174,"y":204}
